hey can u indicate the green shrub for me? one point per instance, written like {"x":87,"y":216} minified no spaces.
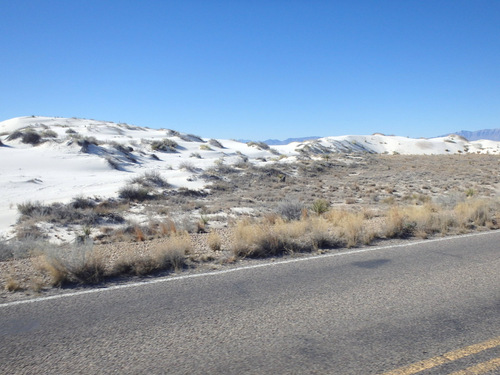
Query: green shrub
{"x":165,"y":145}
{"x":320,"y":206}
{"x":31,"y":137}
{"x":134,"y":193}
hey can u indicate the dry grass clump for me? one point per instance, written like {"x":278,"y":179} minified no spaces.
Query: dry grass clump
{"x":160,"y":257}
{"x":352,"y":227}
{"x":261,"y":239}
{"x":134,"y":192}
{"x":165,"y":145}
{"x":79,"y":264}
{"x":290,"y":210}
{"x":214,"y":241}
{"x":150,"y":179}
{"x":82,"y":264}
{"x":474,"y":212}
{"x":13,"y":285}
{"x":428,"y":219}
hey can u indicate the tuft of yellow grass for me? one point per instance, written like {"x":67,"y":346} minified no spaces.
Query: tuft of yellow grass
{"x":214,"y":241}
{"x":263,"y":239}
{"x":473,"y":212}
{"x":12,"y":285}
{"x":160,"y":257}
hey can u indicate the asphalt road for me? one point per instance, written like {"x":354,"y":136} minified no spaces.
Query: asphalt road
{"x":359,"y":312}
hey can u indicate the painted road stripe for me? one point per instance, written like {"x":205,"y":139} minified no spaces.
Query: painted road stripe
{"x":238,"y":269}
{"x":449,"y":357}
{"x":481,"y":368}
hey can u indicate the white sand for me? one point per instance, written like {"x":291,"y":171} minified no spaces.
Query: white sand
{"x":57,"y":169}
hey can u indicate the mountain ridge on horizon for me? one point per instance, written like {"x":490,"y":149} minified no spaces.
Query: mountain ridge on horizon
{"x":476,"y":135}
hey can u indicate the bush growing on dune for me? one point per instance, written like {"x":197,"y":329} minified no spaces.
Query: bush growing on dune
{"x":150,"y":179}
{"x":215,"y":143}
{"x":49,"y":134}
{"x":165,"y":145}
{"x":15,"y":135}
{"x":134,"y":193}
{"x":259,"y":145}
{"x":31,"y":137}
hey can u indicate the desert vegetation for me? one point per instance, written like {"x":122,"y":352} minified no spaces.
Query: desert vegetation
{"x":314,"y":205}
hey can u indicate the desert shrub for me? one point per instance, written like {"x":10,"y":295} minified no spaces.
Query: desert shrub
{"x":473,"y":212}
{"x":195,"y":155}
{"x":79,"y":264}
{"x":80,"y":211}
{"x":29,"y":231}
{"x":121,"y":148}
{"x":320,"y":206}
{"x":82,"y":203}
{"x":352,"y":228}
{"x":154,"y":179}
{"x":187,"y":166}
{"x":134,"y":193}
{"x":31,"y":208}
{"x":31,"y":137}
{"x":290,"y":210}
{"x":160,"y":257}
{"x":263,"y":239}
{"x":49,"y":134}
{"x":190,"y":138}
{"x":86,"y":141}
{"x":165,"y":145}
{"x":449,"y":201}
{"x":470,"y":192}
{"x":259,"y":145}
{"x":15,"y":135}
{"x":215,"y":143}
{"x":214,"y":241}
{"x":205,"y":148}
{"x":70,"y":131}
{"x":66,"y":213}
{"x":6,"y":251}
{"x":150,"y":179}
{"x":173,"y":133}
{"x":113,"y":162}
{"x":397,"y":224}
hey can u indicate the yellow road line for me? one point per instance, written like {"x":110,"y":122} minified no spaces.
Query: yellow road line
{"x":480,"y":368}
{"x":447,"y":357}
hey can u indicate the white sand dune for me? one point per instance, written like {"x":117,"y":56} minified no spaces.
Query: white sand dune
{"x":96,"y":158}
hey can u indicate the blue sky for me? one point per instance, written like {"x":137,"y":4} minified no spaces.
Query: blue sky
{"x":256,"y":69}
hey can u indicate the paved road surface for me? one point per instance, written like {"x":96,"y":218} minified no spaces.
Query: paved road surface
{"x":362,"y":312}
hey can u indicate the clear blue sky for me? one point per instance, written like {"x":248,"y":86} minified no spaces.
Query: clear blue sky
{"x":256,"y":69}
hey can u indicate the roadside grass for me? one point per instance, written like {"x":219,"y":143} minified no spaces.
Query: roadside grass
{"x":84,"y":265}
{"x":273,"y":236}
{"x":160,"y":257}
{"x":304,"y":207}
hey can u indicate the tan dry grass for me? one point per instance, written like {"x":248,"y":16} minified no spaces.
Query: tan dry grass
{"x":167,"y":256}
{"x":260,"y":239}
{"x":214,"y":241}
{"x":474,"y":212}
{"x":78,"y":264}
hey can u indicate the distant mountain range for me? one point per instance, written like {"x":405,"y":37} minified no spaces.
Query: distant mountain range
{"x":491,"y":134}
{"x":277,"y":142}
